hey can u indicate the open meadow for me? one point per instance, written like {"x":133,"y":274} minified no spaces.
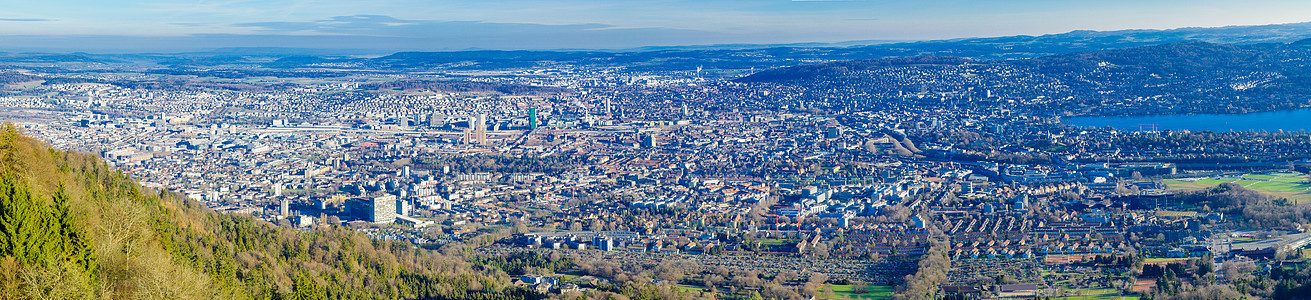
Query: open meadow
{"x":1289,"y":185}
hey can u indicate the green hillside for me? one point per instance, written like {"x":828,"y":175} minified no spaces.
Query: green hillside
{"x":74,"y":228}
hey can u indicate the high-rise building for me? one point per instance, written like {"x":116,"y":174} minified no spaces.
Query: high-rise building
{"x":380,"y":209}
{"x":285,"y":207}
{"x":383,"y":209}
{"x":403,"y":207}
{"x":480,"y":128}
{"x":603,"y":243}
{"x":532,"y":118}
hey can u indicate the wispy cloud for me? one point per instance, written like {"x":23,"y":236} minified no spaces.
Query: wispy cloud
{"x":465,"y":34}
{"x":378,"y":25}
{"x":27,"y":20}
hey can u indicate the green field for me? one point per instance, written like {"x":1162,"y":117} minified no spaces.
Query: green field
{"x":1278,"y":186}
{"x":568,"y":277}
{"x":1245,"y":182}
{"x":848,"y":292}
{"x":1215,"y":181}
{"x":1289,"y":179}
{"x":1096,"y":294}
{"x":1282,"y":184}
{"x":26,"y":85}
{"x":778,"y":242}
{"x":693,"y":289}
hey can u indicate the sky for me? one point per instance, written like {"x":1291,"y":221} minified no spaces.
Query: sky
{"x":589,"y":24}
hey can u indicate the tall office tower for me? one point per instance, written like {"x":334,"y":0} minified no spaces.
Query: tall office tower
{"x":685,"y":109}
{"x":532,"y":118}
{"x":482,"y":129}
{"x":403,"y":207}
{"x":468,"y":136}
{"x":285,"y":207}
{"x":607,"y":106}
{"x":277,"y":189}
{"x":383,"y":209}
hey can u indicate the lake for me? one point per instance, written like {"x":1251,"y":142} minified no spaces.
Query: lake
{"x":1292,"y":120}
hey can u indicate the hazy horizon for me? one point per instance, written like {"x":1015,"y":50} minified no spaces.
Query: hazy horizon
{"x":163,"y":26}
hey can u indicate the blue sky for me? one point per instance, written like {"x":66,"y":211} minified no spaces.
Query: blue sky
{"x":541,"y":24}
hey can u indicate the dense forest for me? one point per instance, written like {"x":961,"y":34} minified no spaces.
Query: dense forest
{"x":75,"y":228}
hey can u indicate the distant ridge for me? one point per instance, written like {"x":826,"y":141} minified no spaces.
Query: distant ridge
{"x":764,"y":56}
{"x":1019,"y":46}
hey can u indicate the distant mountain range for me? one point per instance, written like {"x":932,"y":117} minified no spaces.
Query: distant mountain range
{"x":766,"y":56}
{"x":730,"y":56}
{"x":1023,"y":46}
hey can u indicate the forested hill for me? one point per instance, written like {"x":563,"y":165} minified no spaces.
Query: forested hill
{"x":73,"y":228}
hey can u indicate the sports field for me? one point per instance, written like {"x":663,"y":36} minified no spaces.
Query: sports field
{"x":1288,"y":185}
{"x":849,"y":292}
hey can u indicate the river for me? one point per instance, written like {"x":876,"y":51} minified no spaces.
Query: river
{"x":1291,"y":120}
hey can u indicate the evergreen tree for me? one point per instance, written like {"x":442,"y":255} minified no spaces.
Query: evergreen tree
{"x":74,"y":245}
{"x":24,"y":222}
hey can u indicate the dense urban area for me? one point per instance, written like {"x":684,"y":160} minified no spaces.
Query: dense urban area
{"x":909,"y":178}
